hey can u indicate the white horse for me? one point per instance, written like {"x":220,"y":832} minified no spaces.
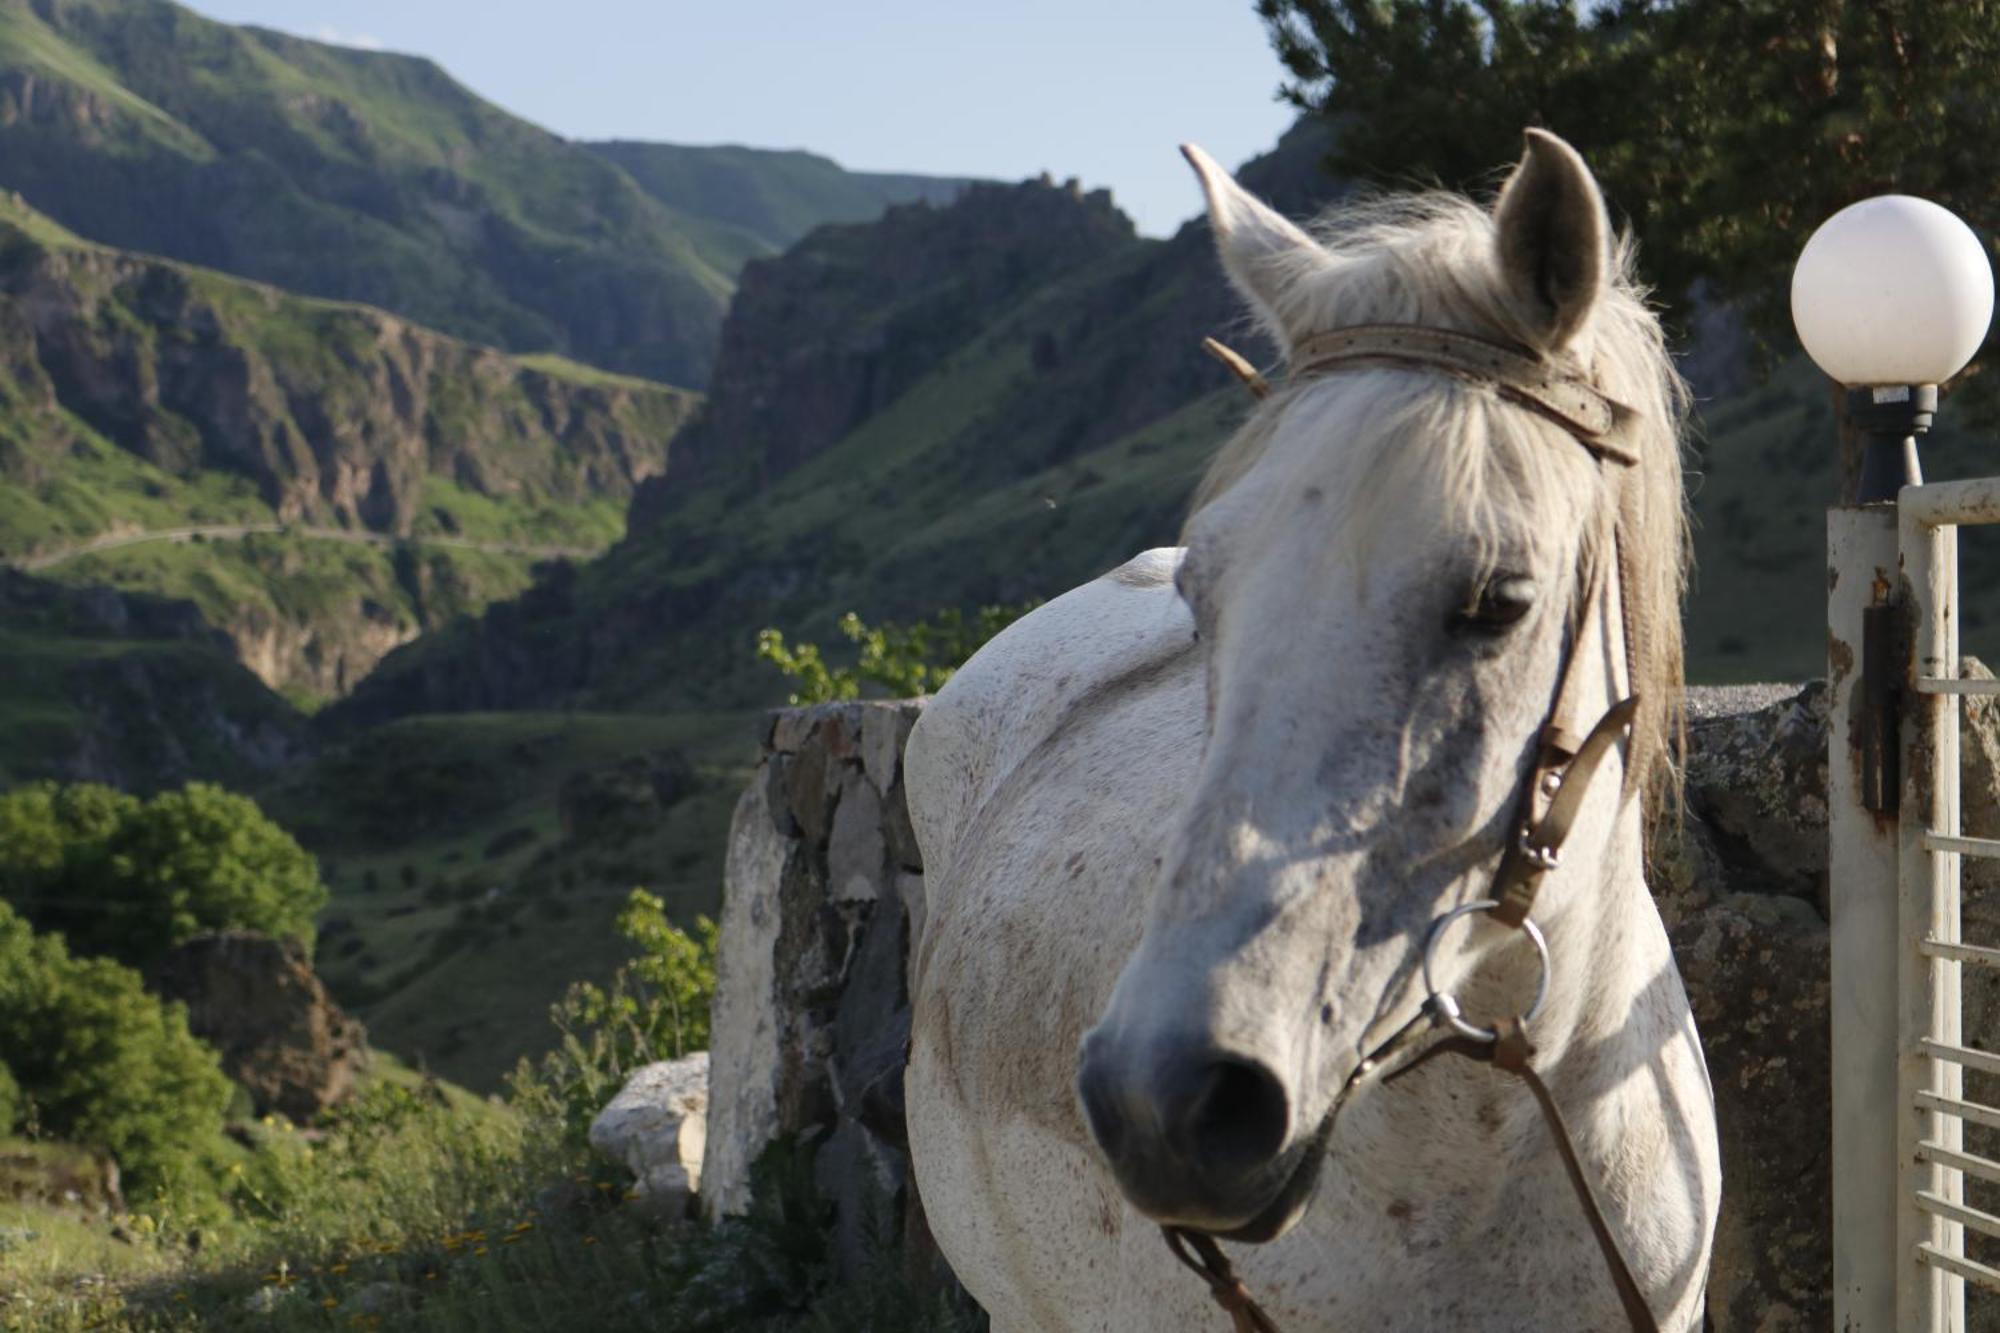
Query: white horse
{"x":1198,"y":818}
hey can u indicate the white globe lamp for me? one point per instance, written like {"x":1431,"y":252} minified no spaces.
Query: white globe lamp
{"x":1891,"y":297}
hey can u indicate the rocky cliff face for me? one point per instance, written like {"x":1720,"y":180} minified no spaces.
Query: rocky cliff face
{"x":836,"y":330}
{"x":136,"y":691}
{"x":330,"y":413}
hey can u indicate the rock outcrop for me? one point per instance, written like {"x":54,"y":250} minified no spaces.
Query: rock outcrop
{"x":133,"y":690}
{"x":333,"y":413}
{"x":657,"y":1128}
{"x":256,"y":1000}
{"x":824,"y":894}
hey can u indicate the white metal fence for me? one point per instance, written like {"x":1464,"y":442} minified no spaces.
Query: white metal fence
{"x":1903,"y":1220}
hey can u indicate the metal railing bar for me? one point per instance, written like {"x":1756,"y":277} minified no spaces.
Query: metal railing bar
{"x":1969,"y":1269}
{"x":1953,"y":951}
{"x":1984,"y":1061}
{"x":1953,"y":685}
{"x":1944,"y":842}
{"x":1950,"y":504}
{"x":1984,"y":1223}
{"x":1978,"y":1167}
{"x":1972,"y":1112}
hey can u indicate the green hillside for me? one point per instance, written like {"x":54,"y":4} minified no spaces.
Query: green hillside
{"x":374,"y":177}
{"x":140,"y":395}
{"x":130,"y":689}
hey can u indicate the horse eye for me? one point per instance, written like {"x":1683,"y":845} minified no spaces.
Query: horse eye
{"x":1499,"y":605}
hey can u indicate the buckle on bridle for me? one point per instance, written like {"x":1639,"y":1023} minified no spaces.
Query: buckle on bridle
{"x":1543,"y":859}
{"x":1445,"y":1005}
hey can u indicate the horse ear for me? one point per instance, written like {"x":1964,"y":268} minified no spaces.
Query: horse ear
{"x":1553,"y":240}
{"x":1260,"y":249}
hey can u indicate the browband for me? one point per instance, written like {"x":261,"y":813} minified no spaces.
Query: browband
{"x":1594,"y":418}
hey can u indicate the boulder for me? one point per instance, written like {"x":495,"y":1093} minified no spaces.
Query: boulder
{"x":257,"y":1001}
{"x":657,"y":1128}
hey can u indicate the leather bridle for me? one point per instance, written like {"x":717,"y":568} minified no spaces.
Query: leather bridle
{"x":1567,"y":759}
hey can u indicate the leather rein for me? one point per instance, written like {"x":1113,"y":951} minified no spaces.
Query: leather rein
{"x":1567,"y":759}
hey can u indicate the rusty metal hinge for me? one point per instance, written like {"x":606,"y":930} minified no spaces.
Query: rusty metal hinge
{"x":1881,"y":706}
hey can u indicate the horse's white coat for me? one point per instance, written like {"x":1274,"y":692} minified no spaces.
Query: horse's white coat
{"x":1245,"y":835}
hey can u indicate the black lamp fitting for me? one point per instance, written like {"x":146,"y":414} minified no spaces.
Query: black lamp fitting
{"x":1891,"y":416}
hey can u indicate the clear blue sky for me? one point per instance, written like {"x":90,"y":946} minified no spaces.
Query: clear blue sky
{"x":1100,"y":89}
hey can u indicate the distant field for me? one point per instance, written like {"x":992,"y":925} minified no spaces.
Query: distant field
{"x":460,"y":911}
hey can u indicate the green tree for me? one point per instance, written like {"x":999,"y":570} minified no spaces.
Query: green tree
{"x":103,"y":1063}
{"x":132,"y":879}
{"x":1724,"y":131}
{"x":903,"y":660}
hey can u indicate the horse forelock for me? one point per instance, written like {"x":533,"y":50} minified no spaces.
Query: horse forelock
{"x":1417,"y":436}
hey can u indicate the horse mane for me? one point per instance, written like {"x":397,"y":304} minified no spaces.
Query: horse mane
{"x":1432,"y":260}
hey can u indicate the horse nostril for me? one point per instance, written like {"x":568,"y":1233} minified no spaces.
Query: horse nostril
{"x":1235,"y":1119}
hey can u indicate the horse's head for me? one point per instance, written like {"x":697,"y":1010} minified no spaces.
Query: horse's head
{"x":1388,"y":570}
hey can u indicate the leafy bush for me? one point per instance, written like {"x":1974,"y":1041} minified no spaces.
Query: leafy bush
{"x":903,"y":659}
{"x":131,"y":879}
{"x":656,"y":1008}
{"x":104,"y":1063}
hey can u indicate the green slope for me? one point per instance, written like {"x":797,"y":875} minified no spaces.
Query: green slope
{"x":476,"y":863}
{"x":374,"y":177}
{"x":140,"y":395}
{"x":129,"y":689}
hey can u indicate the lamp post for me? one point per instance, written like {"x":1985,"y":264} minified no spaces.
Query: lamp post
{"x":1891,"y":297}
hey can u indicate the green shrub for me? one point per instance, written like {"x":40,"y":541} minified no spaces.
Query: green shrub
{"x":904,"y":660}
{"x":656,"y":1008}
{"x":131,"y":879}
{"x":106,"y":1064}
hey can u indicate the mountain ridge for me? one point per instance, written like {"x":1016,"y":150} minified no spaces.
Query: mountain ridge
{"x":357,"y":175}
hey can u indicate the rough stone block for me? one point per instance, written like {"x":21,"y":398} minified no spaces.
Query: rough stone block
{"x":885,"y":728}
{"x":744,"y":1042}
{"x":856,"y":854}
{"x":657,"y":1128}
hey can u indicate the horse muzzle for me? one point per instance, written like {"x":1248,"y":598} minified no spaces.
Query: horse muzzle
{"x":1197,"y":1136}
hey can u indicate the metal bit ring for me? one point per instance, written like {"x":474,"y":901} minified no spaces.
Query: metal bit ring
{"x":1445,"y":1005}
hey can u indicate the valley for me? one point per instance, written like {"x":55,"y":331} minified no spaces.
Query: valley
{"x":423,"y":587}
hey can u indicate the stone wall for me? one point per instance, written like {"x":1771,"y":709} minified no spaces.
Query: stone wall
{"x":824,"y":893}
{"x":823,"y":898}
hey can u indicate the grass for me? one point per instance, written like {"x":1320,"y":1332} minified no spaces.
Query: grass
{"x":460,"y":909}
{"x":418,"y":1206}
